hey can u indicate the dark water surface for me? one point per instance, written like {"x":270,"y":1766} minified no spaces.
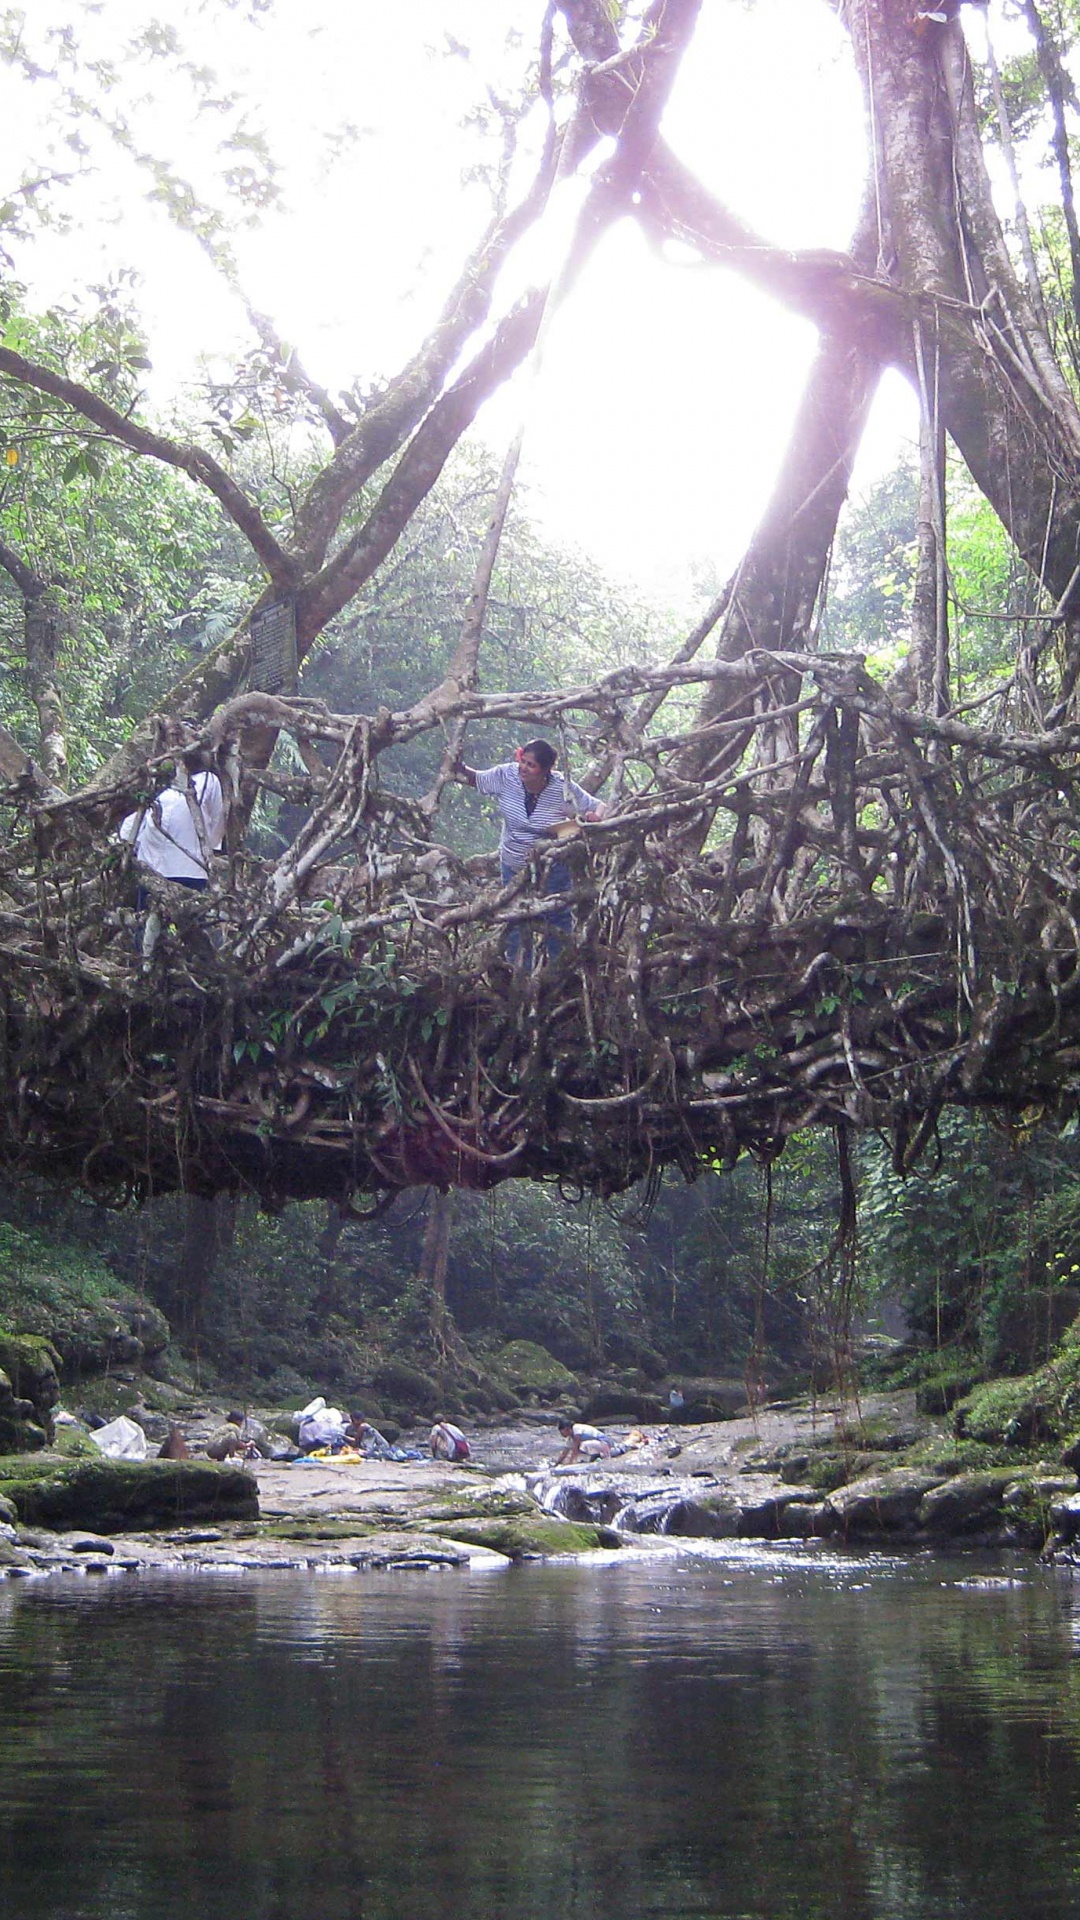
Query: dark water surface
{"x":745,"y":1734}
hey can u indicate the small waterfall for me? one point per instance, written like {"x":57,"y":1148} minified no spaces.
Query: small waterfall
{"x":679,"y":1507}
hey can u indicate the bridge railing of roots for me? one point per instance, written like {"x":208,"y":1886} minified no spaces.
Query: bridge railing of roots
{"x":822,"y":907}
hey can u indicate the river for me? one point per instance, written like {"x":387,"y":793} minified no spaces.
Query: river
{"x":743,"y":1732}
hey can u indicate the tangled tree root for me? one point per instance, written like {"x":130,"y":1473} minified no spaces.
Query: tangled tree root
{"x":882,"y":926}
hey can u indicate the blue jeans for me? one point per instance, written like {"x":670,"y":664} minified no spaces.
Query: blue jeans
{"x":557,"y":923}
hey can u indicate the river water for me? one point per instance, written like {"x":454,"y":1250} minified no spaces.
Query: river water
{"x":743,"y":1732}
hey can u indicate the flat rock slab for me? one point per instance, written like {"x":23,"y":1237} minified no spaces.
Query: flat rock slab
{"x":241,"y":1551}
{"x":382,"y":1489}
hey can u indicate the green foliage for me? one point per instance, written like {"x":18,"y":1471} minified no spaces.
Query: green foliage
{"x":976,"y":1241}
{"x":42,"y":1275}
{"x":1008,"y":1413}
{"x":869,"y":604}
{"x":868,"y":607}
{"x":134,"y":551}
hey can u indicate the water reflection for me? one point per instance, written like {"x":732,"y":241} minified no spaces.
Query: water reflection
{"x":739,"y":1734}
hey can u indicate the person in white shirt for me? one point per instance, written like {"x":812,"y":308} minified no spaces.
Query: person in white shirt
{"x":533,"y":802}
{"x":183,"y":825}
{"x":583,"y":1443}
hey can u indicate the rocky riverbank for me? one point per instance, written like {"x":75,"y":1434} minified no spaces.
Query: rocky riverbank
{"x":879,"y":1474}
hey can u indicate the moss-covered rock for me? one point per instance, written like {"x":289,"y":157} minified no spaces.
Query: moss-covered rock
{"x":623,"y":1403}
{"x":20,"y":1435}
{"x":30,"y":1362}
{"x":74,"y":1443}
{"x":114,"y":1496}
{"x":511,"y":1522}
{"x":532,"y":1369}
{"x":526,"y":1536}
{"x":500,"y":1503}
{"x":70,"y":1299}
{"x":944,"y":1452}
{"x":939,"y":1394}
{"x":406,"y":1385}
{"x":25,"y":1424}
{"x":1029,"y":1505}
{"x":967,"y":1503}
{"x":883,"y":1504}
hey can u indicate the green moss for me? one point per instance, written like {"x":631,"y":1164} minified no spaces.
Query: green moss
{"x":19,"y":1436}
{"x":1009,"y":1413}
{"x":1029,"y":1510}
{"x":533,"y":1369}
{"x":827,"y":1471}
{"x":940,"y":1393}
{"x":486,"y":1506}
{"x":103,"y":1393}
{"x":943,"y":1452}
{"x":38,"y":1277}
{"x":406,"y":1385}
{"x":314,"y":1532}
{"x":74,"y":1444}
{"x":532,"y":1536}
{"x":30,"y":1362}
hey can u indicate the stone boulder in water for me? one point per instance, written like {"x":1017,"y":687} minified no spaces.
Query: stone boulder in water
{"x":117,"y":1496}
{"x":885,"y":1503}
{"x":969,"y":1503}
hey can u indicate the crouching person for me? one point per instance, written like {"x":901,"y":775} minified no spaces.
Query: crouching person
{"x":448,"y":1442}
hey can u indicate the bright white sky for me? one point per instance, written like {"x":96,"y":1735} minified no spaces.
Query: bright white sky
{"x":668,"y":389}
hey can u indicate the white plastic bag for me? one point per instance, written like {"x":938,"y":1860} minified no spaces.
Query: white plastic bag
{"x":323,"y":1428}
{"x":122,"y":1439}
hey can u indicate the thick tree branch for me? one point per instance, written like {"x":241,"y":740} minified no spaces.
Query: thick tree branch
{"x":193,"y":461}
{"x":417,"y":471}
{"x":29,"y":583}
{"x":395,"y":413}
{"x":1059,"y":89}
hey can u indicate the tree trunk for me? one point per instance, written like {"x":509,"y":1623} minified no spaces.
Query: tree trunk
{"x":1003,"y":399}
{"x":47,"y":623}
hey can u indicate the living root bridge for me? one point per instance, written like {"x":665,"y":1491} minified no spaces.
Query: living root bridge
{"x":876,"y":916}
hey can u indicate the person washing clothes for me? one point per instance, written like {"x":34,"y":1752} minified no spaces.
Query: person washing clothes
{"x":583,"y":1443}
{"x":447,"y":1442}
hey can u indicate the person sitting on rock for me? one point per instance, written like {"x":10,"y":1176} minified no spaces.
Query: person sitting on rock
{"x":583,"y":1443}
{"x":448,"y":1442}
{"x":226,"y":1440}
{"x":240,"y":1435}
{"x":371,"y":1443}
